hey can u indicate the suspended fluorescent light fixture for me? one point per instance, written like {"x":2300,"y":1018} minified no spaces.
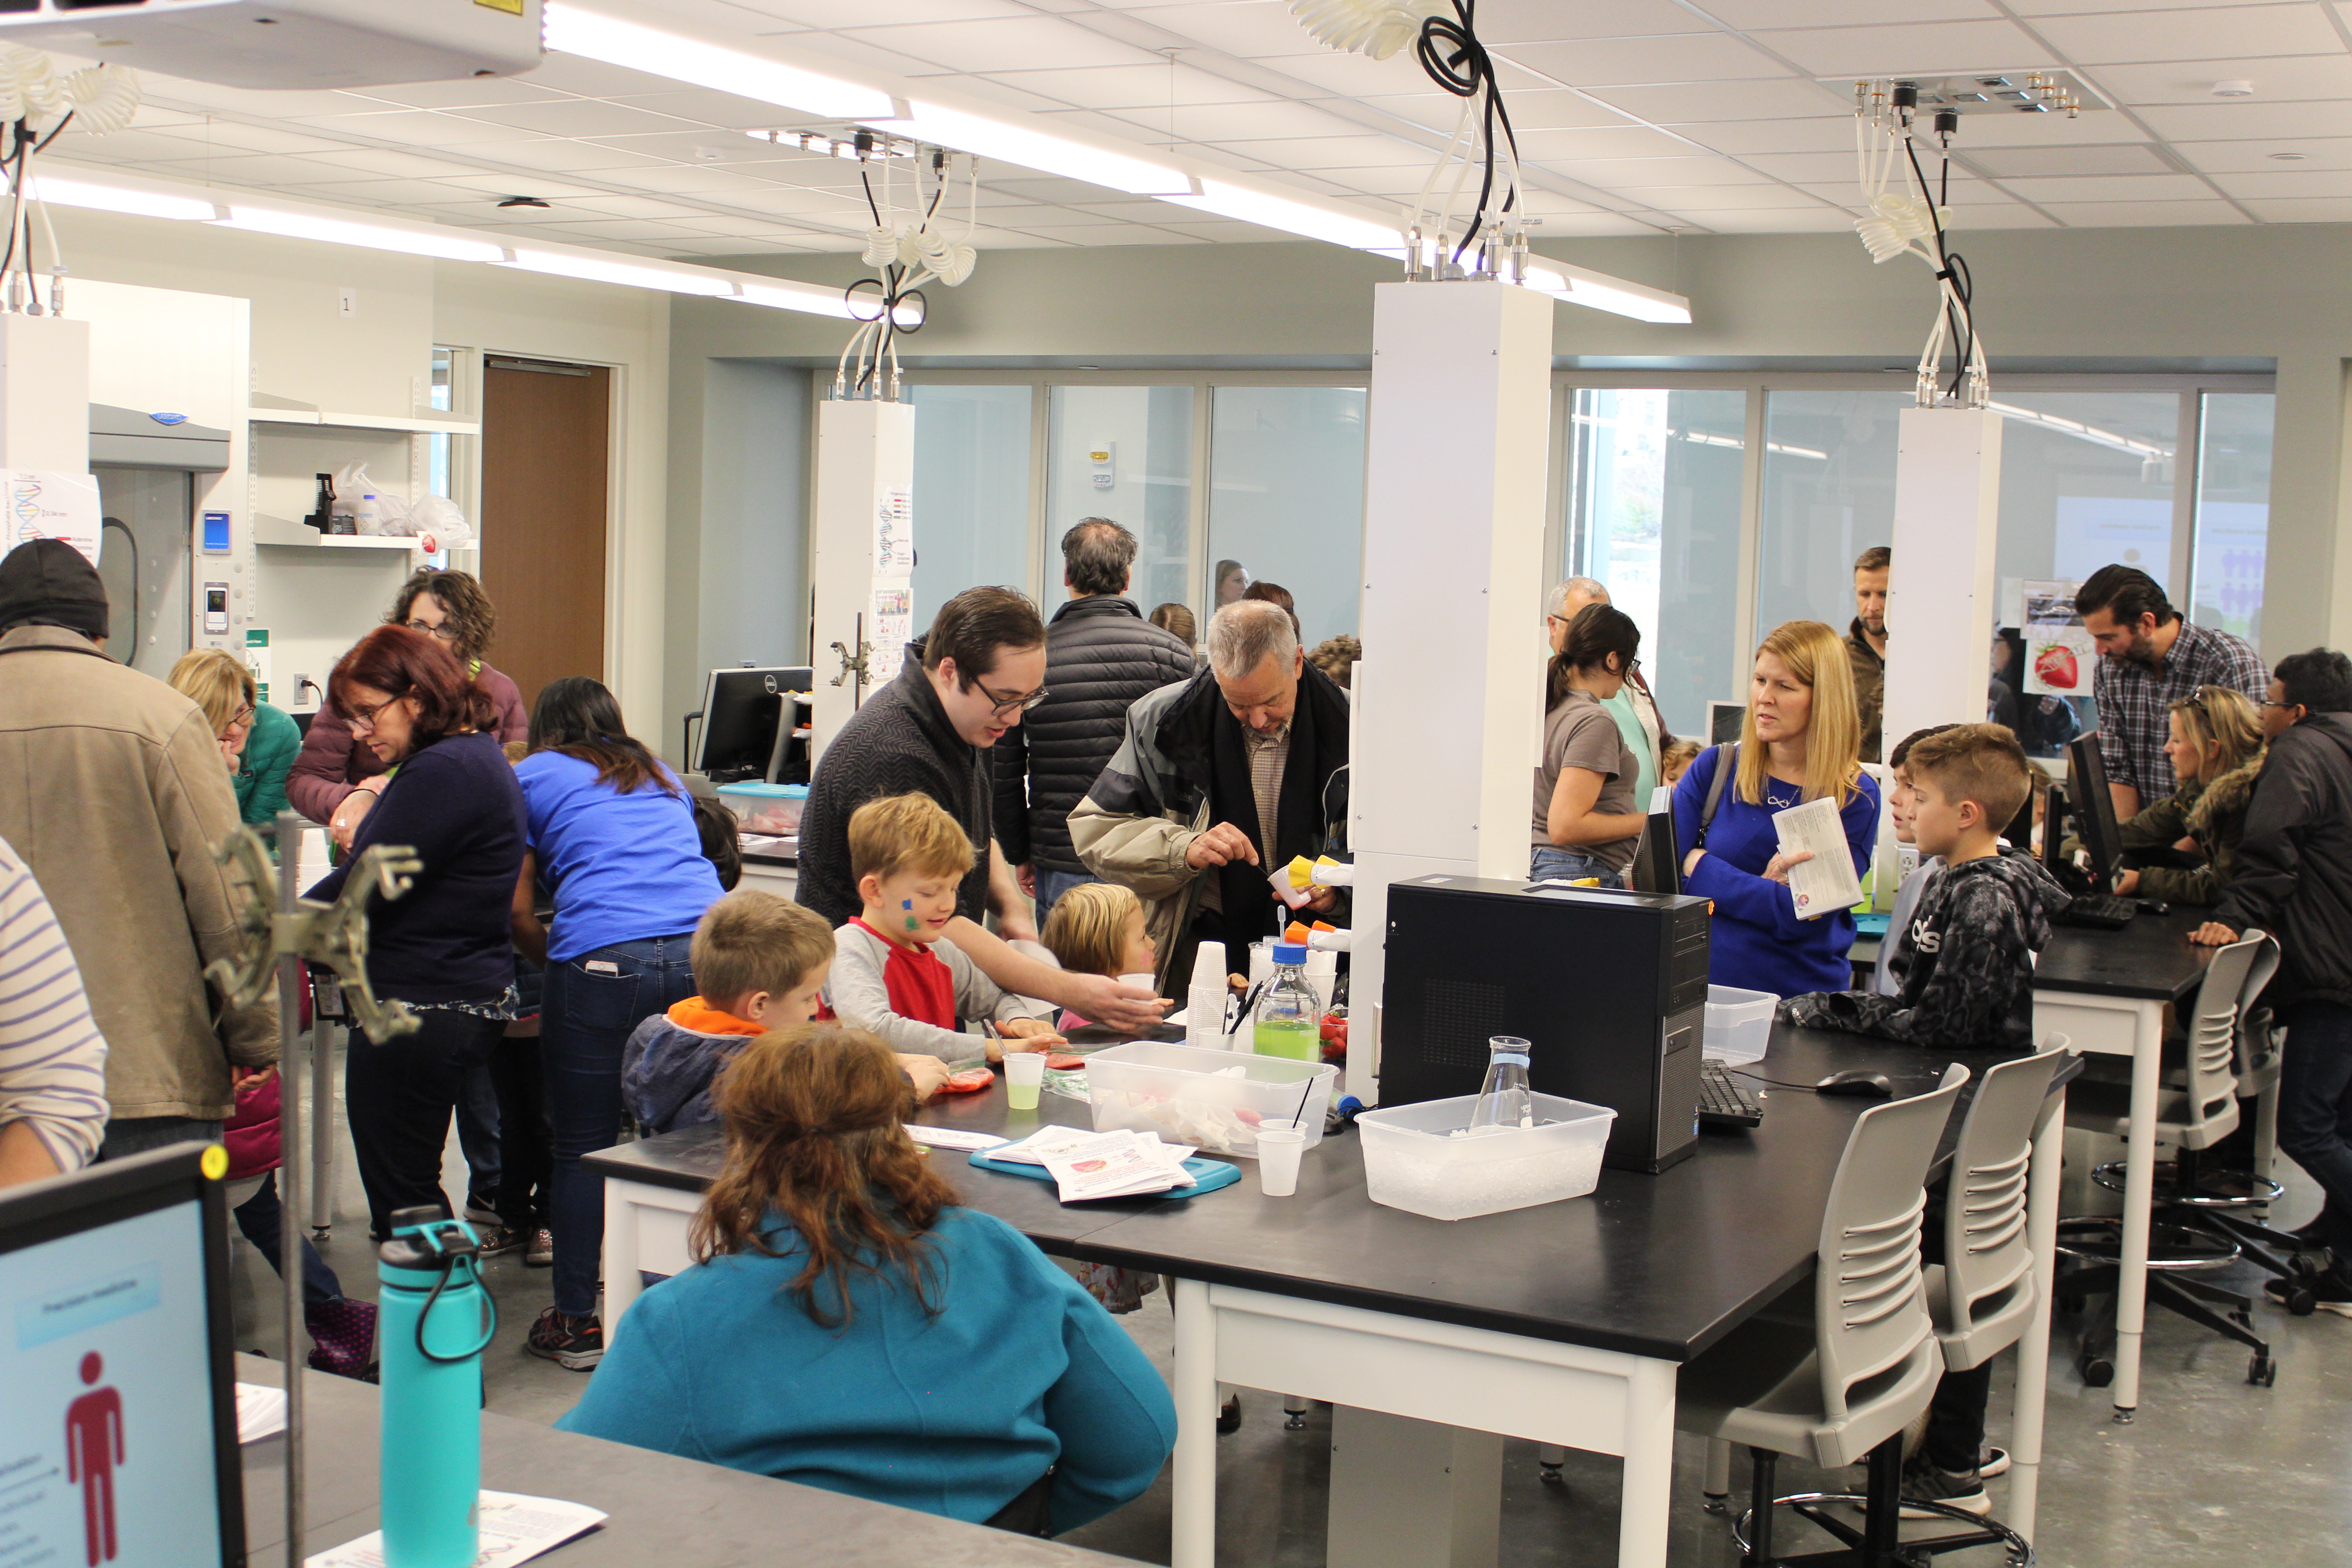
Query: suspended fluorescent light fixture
{"x":448,"y":244}
{"x":1042,"y":150}
{"x":1299,"y":217}
{"x":635,"y":275}
{"x":1578,"y":286}
{"x":121,"y":199}
{"x":593,"y":36}
{"x":805,"y":297}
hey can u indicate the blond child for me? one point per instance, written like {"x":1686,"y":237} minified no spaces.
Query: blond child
{"x":894,"y":975}
{"x":1097,"y":928}
{"x":762,"y":962}
{"x":1677,"y":759}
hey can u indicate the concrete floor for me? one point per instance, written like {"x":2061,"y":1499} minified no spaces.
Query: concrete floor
{"x":2214,"y":1473}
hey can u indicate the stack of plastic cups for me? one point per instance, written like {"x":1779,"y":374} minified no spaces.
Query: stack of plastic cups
{"x":1323,"y":973}
{"x":1204,"y":1017}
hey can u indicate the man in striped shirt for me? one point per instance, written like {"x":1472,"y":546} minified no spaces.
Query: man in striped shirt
{"x":52,"y":1057}
{"x":2149,"y":657}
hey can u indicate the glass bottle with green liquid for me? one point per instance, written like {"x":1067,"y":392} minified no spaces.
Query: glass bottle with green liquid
{"x":1288,"y":1021}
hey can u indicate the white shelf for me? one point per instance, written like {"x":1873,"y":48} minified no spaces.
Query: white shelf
{"x":267,"y":529}
{"x":289,"y":413}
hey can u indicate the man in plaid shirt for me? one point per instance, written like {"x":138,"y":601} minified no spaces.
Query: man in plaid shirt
{"x":2148,"y":659}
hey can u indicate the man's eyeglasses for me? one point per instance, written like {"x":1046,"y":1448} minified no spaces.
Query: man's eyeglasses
{"x":446,"y":631}
{"x":1005,"y":707}
{"x":2268,"y":703}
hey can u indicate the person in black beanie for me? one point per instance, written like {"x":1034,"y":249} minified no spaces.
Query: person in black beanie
{"x":114,"y":795}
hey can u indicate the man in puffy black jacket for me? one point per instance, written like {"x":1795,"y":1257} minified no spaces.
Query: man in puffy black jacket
{"x":2295,"y":881}
{"x":1100,"y":655}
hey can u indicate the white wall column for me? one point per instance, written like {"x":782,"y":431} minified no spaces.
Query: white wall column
{"x":1939,"y":600}
{"x":45,"y":394}
{"x":1448,"y":709}
{"x":864,"y":559}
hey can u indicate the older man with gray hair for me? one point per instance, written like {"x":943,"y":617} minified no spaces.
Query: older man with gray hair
{"x":1239,"y":768}
{"x":1634,"y":709}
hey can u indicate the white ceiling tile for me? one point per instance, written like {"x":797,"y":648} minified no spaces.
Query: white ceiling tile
{"x":1316,"y":153}
{"x":1130,"y":87}
{"x":2286,"y":180}
{"x":1920,"y":47}
{"x":1751,"y":15}
{"x":2038,"y":8}
{"x":2025,"y":162}
{"x":233,"y":136}
{"x":1816,"y":134}
{"x":828,"y":13}
{"x":1247,"y":122}
{"x":2142,"y":188}
{"x":1612,"y":62}
{"x":1251,"y":30}
{"x":2219,"y":33}
{"x":281,"y":104}
{"x":2246,"y":118}
{"x":472,"y":92}
{"x":584,"y":77}
{"x":1772,"y":220}
{"x":557,"y":155}
{"x":576,"y":117}
{"x":388,"y":164}
{"x":525,"y":183}
{"x":614,"y":228}
{"x":379,"y":193}
{"x":2277,"y":79}
{"x":147,"y":116}
{"x":2095,"y":127}
{"x":632,"y":207}
{"x":263,"y":169}
{"x":1786,"y":99}
{"x":2309,"y":209}
{"x":1611,"y":173}
{"x":1555,"y":108}
{"x":1014,"y":44}
{"x":1597,"y":224}
{"x":1333,"y":74}
{"x":1503,"y":22}
{"x":2218,"y":157}
{"x":787,"y":201}
{"x":1703,"y":198}
{"x":121,"y":146}
{"x":2146,"y":215}
{"x":1561,"y":149}
{"x":723,"y":109}
{"x":715,"y":181}
{"x":411,"y":128}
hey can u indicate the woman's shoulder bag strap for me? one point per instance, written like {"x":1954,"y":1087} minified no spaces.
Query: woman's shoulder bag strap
{"x":1726,"y":763}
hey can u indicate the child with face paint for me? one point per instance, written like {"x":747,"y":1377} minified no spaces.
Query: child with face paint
{"x":894,"y":973}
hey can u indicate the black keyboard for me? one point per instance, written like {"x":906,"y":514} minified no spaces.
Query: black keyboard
{"x":1724,"y":1101}
{"x":2098,"y":912}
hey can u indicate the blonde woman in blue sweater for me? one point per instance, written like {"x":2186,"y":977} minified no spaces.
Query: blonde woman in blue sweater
{"x":848,"y":1325}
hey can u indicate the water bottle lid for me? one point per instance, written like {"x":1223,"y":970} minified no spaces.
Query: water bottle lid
{"x":1290,"y":953}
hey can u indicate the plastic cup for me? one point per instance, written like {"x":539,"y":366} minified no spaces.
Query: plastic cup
{"x":1149,"y":984}
{"x":1024,"y":1075}
{"x":1279,"y":1147}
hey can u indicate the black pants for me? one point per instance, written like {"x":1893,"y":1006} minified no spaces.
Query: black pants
{"x":527,"y":1167}
{"x":2315,"y":1112}
{"x":401,"y":1095}
{"x":1956,"y":1420}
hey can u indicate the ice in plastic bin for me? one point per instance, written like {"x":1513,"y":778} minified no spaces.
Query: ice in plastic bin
{"x":1210,"y":1099}
{"x":1738,"y":1024}
{"x":1420,"y":1158}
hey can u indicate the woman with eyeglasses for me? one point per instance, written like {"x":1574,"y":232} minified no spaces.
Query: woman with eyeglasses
{"x":445,"y":947}
{"x":2215,"y":746}
{"x":334,"y":782}
{"x":613,"y":838}
{"x":258,"y":742}
{"x":1587,"y":820}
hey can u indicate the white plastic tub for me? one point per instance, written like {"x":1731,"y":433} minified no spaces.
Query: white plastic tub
{"x":765,"y":808}
{"x":1413,"y":1161}
{"x":1212,"y":1098}
{"x":1738,"y":1024}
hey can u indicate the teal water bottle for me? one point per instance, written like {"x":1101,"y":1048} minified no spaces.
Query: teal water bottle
{"x":436,"y":1320}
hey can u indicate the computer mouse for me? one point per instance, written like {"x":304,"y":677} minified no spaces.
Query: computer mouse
{"x":1855,"y":1081}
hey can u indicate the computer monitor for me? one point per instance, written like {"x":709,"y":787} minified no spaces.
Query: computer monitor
{"x":2053,"y":832}
{"x":747,"y":720}
{"x":1657,"y":866}
{"x":2094,"y":809}
{"x":120,"y":1443}
{"x":1723,"y":722}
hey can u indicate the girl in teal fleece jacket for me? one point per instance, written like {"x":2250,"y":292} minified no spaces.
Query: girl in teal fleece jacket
{"x":911,"y":1352}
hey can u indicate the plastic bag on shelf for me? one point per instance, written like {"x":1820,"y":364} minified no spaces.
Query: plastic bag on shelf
{"x":437,"y":524}
{"x":355,"y":486}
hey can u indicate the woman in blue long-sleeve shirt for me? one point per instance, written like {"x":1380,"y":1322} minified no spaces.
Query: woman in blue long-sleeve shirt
{"x":1801,"y":740}
{"x":848,"y":1326}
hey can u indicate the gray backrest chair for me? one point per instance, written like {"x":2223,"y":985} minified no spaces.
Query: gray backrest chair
{"x":1982,"y":1294}
{"x":2206,"y":1108}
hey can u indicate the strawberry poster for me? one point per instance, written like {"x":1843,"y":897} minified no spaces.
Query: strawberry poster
{"x":2058,"y":652}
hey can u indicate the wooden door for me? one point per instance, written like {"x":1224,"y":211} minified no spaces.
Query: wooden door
{"x":546,"y":440}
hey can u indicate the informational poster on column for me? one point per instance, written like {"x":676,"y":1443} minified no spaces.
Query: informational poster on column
{"x":894,"y":571}
{"x":44,"y":505}
{"x":106,"y":1448}
{"x":2059,"y":653}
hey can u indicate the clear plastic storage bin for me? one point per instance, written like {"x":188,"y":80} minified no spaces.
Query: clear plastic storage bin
{"x":773,"y":809}
{"x":1415,"y":1162}
{"x":1738,"y":1024}
{"x":1215,"y":1100}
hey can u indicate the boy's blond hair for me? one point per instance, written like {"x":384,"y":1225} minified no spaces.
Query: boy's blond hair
{"x":1982,"y":762}
{"x":1677,"y":754}
{"x":907,"y":833}
{"x":1087,"y":929}
{"x":750,"y":940}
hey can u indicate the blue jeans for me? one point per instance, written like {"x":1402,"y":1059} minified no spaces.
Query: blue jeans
{"x":1548,"y":863}
{"x":2316,"y":1111}
{"x":477,"y":1135}
{"x":262,"y":1218}
{"x":586,"y":1017}
{"x":1052,"y":885}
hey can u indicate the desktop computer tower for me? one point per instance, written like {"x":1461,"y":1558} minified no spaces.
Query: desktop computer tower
{"x":1609,"y":989}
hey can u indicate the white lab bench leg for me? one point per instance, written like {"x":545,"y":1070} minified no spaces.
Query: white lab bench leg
{"x":621,"y":1286}
{"x":2042,"y":1185}
{"x":1649,"y":1465}
{"x":1192,"y":1531}
{"x":1412,"y":1494}
{"x":2140,"y":1195}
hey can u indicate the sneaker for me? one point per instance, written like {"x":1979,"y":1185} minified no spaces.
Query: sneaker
{"x":541,"y":1253}
{"x":1229,"y":1420}
{"x":1992,"y":1462}
{"x":479,"y":1210}
{"x":498,"y":1240}
{"x":2335,"y":1294}
{"x":342,"y":1333}
{"x":577,"y":1343}
{"x":1926,"y":1483}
